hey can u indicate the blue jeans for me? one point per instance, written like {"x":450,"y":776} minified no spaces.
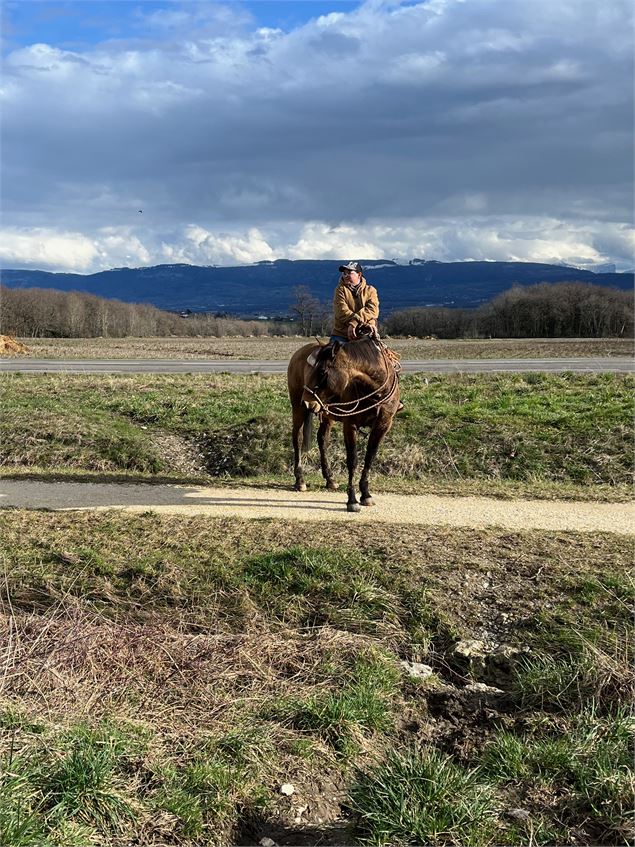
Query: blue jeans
{"x":339,"y":338}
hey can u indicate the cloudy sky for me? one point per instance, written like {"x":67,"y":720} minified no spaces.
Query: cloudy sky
{"x":138,"y":133}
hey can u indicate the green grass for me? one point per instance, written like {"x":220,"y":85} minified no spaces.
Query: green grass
{"x":520,"y":429}
{"x":586,"y":675}
{"x":87,"y":785}
{"x":161,"y":681}
{"x":201,"y":794}
{"x":585,"y":763}
{"x":579,"y":658}
{"x":413,"y":798}
{"x":68,"y":789}
{"x":347,"y":590}
{"x":82,"y":784}
{"x":362,"y":704}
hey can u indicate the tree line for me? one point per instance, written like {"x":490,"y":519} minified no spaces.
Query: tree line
{"x":47,"y":313}
{"x":545,"y":310}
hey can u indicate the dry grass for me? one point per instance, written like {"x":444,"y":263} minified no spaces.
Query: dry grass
{"x":197,"y":665}
{"x":10,"y":347}
{"x":282,"y":348}
{"x":76,"y":662}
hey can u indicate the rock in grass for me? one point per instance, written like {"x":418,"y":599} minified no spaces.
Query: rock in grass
{"x":287,"y":789}
{"x":491,"y":665}
{"x":519,"y":814}
{"x":481,"y":688}
{"x":417,"y":670}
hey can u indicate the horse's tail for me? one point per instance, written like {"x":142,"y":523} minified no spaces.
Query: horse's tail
{"x":307,"y":430}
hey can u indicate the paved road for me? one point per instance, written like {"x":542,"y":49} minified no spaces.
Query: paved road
{"x":621,"y":364}
{"x":320,"y":505}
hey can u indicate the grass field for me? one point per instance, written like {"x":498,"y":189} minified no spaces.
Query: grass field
{"x":196,"y":681}
{"x":164,"y":678}
{"x":282,"y":348}
{"x":552,"y":435}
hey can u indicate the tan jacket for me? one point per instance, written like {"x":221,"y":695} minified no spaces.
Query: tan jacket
{"x":360,"y":307}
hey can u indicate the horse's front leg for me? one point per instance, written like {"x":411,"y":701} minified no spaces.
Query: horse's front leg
{"x":374,"y":440}
{"x":323,"y":437}
{"x":296,"y":436}
{"x":350,"y":440}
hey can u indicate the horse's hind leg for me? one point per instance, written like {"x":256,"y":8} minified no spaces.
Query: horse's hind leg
{"x":350,"y":440}
{"x":296,"y":436}
{"x":374,"y":440}
{"x":323,"y":437}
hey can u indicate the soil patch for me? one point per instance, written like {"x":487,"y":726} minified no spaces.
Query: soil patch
{"x":179,"y":454}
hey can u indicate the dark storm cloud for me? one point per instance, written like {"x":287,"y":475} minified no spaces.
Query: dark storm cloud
{"x":438,"y":111}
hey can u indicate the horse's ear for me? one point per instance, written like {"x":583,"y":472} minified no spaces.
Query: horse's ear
{"x":334,"y":348}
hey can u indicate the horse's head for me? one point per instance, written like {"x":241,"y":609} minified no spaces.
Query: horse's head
{"x":325,"y":379}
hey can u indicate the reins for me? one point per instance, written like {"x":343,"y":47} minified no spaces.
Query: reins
{"x":329,"y":408}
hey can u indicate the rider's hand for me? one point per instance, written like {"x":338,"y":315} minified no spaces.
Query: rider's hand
{"x":352,"y":332}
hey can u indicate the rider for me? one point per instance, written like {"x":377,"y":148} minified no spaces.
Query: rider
{"x":355,"y":304}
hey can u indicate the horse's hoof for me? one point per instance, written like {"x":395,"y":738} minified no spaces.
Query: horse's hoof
{"x":367,"y":501}
{"x":331,"y":486}
{"x":353,"y":507}
{"x":299,"y":486}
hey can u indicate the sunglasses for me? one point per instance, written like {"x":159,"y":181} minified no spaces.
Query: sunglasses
{"x":348,"y":273}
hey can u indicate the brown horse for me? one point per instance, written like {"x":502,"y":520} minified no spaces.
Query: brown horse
{"x":356,"y":384}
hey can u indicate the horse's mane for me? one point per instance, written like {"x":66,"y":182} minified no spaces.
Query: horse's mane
{"x":365,"y":355}
{"x":362,"y":355}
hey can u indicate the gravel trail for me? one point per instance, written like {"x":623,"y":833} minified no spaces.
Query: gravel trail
{"x":320,"y":505}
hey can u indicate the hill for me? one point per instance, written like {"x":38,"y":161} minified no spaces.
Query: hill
{"x":267,"y":287}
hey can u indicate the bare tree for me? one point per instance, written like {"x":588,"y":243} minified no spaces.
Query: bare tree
{"x":308,"y":309}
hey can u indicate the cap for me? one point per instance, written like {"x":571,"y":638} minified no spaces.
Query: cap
{"x":351,"y":266}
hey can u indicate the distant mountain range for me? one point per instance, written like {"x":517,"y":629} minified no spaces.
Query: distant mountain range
{"x":266,"y":288}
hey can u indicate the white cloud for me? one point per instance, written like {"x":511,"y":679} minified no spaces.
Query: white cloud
{"x":122,"y":246}
{"x":422,"y":116}
{"x":475,"y":238}
{"x":319,"y":241}
{"x":225,"y":248}
{"x":49,"y":249}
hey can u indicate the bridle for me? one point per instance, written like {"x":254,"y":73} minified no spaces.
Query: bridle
{"x":341,"y":410}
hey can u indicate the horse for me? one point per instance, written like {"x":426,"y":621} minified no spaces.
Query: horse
{"x":355,"y":383}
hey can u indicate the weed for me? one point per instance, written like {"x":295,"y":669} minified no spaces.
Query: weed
{"x":415,"y":797}
{"x":587,"y":763}
{"x":584,"y":671}
{"x":342,"y":718}
{"x":84,"y":782}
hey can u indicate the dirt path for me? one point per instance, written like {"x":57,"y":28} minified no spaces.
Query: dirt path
{"x":320,"y":505}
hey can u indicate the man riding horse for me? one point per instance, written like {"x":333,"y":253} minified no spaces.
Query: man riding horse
{"x":353,"y":380}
